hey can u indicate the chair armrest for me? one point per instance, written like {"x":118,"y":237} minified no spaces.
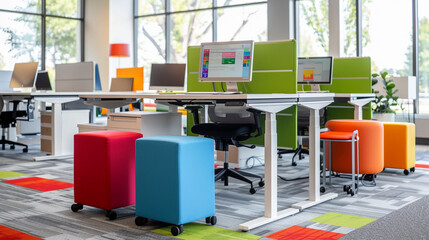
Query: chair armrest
{"x":194,"y":111}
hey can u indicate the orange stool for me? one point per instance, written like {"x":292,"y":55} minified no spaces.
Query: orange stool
{"x":400,"y":146}
{"x":371,"y":147}
{"x":336,"y":136}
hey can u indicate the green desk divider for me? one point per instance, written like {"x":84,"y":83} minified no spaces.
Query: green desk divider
{"x":350,"y":75}
{"x":274,"y":71}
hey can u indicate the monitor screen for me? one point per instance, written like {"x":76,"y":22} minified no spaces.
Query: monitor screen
{"x":24,"y":75}
{"x":75,"y":77}
{"x":168,"y":76}
{"x":42,"y":81}
{"x":315,"y":70}
{"x":121,"y":85}
{"x":226,"y":62}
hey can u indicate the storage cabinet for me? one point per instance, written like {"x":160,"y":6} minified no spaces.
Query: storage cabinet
{"x":69,"y":119}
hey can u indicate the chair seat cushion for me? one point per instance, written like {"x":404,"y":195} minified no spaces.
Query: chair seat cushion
{"x":336,"y":135}
{"x":219,"y":130}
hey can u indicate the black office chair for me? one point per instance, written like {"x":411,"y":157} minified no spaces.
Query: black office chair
{"x":303,"y":128}
{"x":229,"y":125}
{"x":8,"y":119}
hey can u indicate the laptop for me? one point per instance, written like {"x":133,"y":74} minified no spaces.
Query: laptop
{"x":121,"y":85}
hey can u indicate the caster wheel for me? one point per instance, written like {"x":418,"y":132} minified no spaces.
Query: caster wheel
{"x":413,"y":169}
{"x":346,"y":188}
{"x":25,"y":150}
{"x":12,"y":147}
{"x":294,"y":164}
{"x":261,"y":183}
{"x":176,"y":230}
{"x":213,"y":220}
{"x":280,"y":156}
{"x":207,"y":219}
{"x":322,"y":189}
{"x":252,"y":191}
{"x":76,"y":207}
{"x":140,"y":221}
{"x":111,"y":214}
{"x":352,"y":193}
{"x":406,"y":172}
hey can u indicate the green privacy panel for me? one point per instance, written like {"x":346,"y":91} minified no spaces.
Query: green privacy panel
{"x":350,"y":75}
{"x":274,"y":71}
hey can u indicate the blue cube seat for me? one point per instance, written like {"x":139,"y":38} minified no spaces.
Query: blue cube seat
{"x":175,"y":180}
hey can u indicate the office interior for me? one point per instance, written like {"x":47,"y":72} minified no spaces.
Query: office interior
{"x":308,"y":155}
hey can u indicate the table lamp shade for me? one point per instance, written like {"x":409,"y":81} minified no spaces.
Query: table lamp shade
{"x":119,"y":50}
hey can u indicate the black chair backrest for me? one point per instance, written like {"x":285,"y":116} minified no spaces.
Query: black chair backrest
{"x":304,"y":118}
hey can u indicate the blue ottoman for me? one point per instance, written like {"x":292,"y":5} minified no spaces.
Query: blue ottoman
{"x":175,"y":180}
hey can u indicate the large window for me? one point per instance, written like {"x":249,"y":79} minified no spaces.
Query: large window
{"x":423,"y":67}
{"x":50,"y":35}
{"x":165,"y":28}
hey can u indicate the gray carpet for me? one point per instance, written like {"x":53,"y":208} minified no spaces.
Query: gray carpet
{"x":47,"y":214}
{"x":409,"y":222}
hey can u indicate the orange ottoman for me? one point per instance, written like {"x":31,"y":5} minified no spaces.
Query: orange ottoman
{"x":400,"y":146}
{"x":371,"y":146}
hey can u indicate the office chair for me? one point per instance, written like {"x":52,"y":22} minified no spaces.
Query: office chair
{"x":303,"y":128}
{"x":229,"y":126}
{"x":8,"y":119}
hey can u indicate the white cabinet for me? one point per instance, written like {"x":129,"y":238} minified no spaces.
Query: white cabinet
{"x":69,"y":121}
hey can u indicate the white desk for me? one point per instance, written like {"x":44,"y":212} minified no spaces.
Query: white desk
{"x":358,"y":100}
{"x":270,"y":104}
{"x":56,"y":99}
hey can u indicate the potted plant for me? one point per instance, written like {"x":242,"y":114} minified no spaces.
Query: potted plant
{"x":382,"y":107}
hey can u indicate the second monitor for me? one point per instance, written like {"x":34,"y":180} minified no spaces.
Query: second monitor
{"x":168,"y":76}
{"x":315,"y":71}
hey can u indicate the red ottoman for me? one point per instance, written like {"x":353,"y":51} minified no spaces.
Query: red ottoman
{"x":104,"y":170}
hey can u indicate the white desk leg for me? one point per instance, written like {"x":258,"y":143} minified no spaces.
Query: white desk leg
{"x":270,"y":165}
{"x":314,"y":177}
{"x":358,"y":112}
{"x":56,"y":136}
{"x":271,"y":213}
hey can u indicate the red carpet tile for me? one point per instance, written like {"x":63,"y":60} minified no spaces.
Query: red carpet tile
{"x":11,"y":234}
{"x":41,"y":184}
{"x":303,"y":233}
{"x":422,"y":166}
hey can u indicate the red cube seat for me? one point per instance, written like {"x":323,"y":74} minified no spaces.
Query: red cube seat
{"x":104,"y":170}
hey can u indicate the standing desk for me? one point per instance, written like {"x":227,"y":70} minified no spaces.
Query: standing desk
{"x":268,"y":103}
{"x":56,"y":99}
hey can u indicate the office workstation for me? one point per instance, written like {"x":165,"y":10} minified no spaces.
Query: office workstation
{"x":222,"y":137}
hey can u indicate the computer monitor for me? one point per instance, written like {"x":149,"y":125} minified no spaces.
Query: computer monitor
{"x":229,"y":62}
{"x":168,"y":76}
{"x":315,"y":71}
{"x":42,"y":81}
{"x":121,"y":85}
{"x":24,"y":75}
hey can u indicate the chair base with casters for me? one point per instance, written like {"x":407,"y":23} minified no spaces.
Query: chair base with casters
{"x":8,"y":119}
{"x":226,"y":134}
{"x":336,"y":136}
{"x":225,"y":172}
{"x":4,"y":141}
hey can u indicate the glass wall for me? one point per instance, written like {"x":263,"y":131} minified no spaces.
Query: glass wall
{"x":165,"y":28}
{"x":22,"y":34}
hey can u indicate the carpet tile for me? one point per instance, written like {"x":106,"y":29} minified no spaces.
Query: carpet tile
{"x":40,"y":184}
{"x":12,"y":234}
{"x":10,"y":174}
{"x":303,"y":233}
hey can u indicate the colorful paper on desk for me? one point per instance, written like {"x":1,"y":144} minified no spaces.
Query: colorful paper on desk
{"x":196,"y":231}
{"x":343,"y":220}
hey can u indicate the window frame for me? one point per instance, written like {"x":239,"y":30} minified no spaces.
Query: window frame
{"x":42,"y":14}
